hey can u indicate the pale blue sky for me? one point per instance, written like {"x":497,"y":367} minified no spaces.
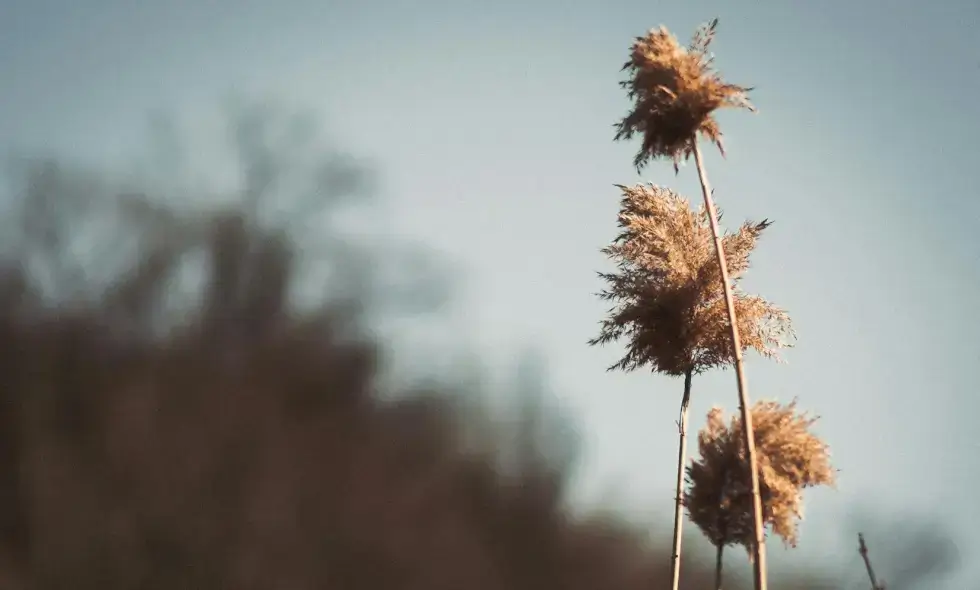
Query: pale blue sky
{"x":491,"y":122}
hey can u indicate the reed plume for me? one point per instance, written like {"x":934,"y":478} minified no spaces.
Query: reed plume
{"x":669,"y":308}
{"x":675,"y":92}
{"x":791,"y":458}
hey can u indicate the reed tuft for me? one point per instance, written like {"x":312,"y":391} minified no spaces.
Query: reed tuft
{"x":669,"y":304}
{"x":791,"y":458}
{"x":675,"y":91}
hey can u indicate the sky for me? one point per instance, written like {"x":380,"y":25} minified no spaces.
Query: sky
{"x":491,"y":123}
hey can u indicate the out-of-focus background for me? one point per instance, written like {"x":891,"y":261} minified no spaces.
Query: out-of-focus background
{"x":435,"y":178}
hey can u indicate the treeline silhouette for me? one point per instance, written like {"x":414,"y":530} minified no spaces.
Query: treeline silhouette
{"x":235,"y":439}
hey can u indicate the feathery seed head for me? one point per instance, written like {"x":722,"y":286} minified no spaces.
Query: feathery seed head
{"x":669,"y":303}
{"x":675,"y":91}
{"x":791,"y":458}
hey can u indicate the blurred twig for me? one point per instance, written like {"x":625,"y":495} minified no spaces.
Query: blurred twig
{"x":863,"y":550}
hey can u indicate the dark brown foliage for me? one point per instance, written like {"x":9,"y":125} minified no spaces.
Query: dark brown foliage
{"x":247,"y":449}
{"x":242,"y":444}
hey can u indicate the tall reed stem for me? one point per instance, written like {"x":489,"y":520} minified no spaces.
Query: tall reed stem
{"x":759,"y":549}
{"x":675,"y":560}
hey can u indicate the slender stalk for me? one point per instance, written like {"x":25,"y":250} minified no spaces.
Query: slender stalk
{"x":719,"y":551}
{"x":863,"y":550}
{"x":759,"y":561}
{"x":722,"y":526}
{"x":675,"y":560}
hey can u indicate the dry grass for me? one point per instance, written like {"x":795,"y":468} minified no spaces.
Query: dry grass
{"x":791,"y":458}
{"x":670,"y":305}
{"x":675,"y":91}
